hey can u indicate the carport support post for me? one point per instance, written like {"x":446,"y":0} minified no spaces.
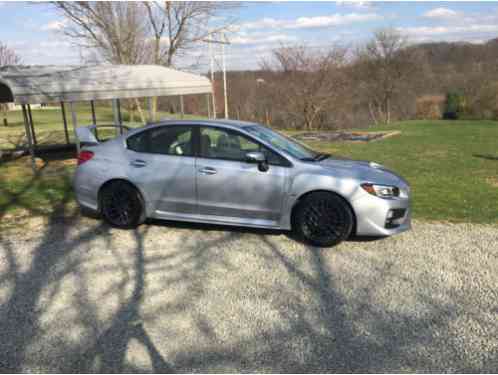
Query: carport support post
{"x":94,"y":118}
{"x":115,"y":112}
{"x":181,"y":107}
{"x":64,"y":120}
{"x":150,"y":106}
{"x":31,"y":125}
{"x":75,"y":125}
{"x":213,"y":96}
{"x":28,"y":135}
{"x":208,"y":106}
{"x":120,"y":118}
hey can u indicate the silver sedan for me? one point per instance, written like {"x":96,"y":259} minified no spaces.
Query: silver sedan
{"x":237,"y":173}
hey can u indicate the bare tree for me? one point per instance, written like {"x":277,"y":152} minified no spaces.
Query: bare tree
{"x":115,"y":31}
{"x":177,"y":27}
{"x":7,"y":57}
{"x":307,"y":83}
{"x":141,"y":32}
{"x":383,"y":63}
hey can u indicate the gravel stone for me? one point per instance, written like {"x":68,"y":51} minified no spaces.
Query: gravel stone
{"x":76,"y":295}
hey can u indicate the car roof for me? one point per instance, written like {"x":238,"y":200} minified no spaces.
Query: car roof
{"x":225,"y":123}
{"x":222,"y":122}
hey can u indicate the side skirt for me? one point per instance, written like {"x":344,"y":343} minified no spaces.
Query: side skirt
{"x":211,"y":219}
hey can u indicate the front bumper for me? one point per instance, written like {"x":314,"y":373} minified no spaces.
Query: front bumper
{"x":372,"y":215}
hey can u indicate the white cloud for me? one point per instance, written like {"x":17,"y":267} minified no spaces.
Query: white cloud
{"x":263,"y":23}
{"x":54,"y":25}
{"x":442,"y":13}
{"x":445,"y":30}
{"x":360,"y":5}
{"x":242,"y":39}
{"x":452,"y":17}
{"x":332,"y":20}
{"x":455,"y":26}
{"x":473,"y":33}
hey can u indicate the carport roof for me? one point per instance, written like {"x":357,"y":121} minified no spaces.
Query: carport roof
{"x":42,"y":84}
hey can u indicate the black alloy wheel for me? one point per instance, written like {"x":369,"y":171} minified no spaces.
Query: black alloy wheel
{"x":121,"y":205}
{"x":323,"y":219}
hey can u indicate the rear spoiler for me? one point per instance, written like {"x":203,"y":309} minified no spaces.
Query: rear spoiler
{"x":88,"y":135}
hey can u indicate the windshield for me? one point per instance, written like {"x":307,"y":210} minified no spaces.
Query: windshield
{"x":282,"y":143}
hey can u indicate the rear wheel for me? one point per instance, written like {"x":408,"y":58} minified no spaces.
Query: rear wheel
{"x":323,"y":219}
{"x":121,"y":205}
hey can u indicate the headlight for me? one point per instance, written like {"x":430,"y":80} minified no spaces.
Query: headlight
{"x":382,"y":191}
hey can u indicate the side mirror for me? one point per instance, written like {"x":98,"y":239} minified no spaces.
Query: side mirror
{"x":259,"y":158}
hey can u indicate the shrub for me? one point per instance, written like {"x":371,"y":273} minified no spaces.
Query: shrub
{"x":455,"y":106}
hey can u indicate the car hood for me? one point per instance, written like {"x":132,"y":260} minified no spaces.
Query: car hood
{"x":364,"y":170}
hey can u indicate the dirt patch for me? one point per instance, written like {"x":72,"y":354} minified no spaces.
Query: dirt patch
{"x":493,"y":181}
{"x":344,"y":136}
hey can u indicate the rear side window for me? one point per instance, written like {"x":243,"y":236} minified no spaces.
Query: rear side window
{"x":138,"y":142}
{"x":165,"y":140}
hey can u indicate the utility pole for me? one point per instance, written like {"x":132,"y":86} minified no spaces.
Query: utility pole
{"x":212,"y":75}
{"x":225,"y":75}
{"x":223,"y":41}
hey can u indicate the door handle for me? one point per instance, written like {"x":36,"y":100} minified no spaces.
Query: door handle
{"x":138,"y":163}
{"x":207,"y":170}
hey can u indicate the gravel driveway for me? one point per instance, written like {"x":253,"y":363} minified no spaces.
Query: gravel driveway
{"x":76,"y":295}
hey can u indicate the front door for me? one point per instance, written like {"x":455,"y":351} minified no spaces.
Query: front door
{"x":229,"y":189}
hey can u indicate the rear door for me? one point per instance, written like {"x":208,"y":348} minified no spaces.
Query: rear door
{"x":161,"y":161}
{"x":229,"y":189}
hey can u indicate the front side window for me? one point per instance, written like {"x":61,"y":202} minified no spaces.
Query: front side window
{"x":282,"y":143}
{"x":229,"y":145}
{"x":166,"y":140}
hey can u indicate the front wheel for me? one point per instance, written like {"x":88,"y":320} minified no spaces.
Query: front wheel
{"x":121,"y":205}
{"x":323,"y":219}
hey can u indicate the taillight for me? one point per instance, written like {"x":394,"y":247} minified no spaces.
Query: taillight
{"x":84,"y":156}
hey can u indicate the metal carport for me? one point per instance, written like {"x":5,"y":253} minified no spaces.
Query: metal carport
{"x":25,"y":85}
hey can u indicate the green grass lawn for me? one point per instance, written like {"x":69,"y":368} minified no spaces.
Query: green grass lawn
{"x":439,"y":159}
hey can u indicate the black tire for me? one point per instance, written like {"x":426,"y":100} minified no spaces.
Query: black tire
{"x":121,"y":205}
{"x":88,"y":212}
{"x":323,"y":219}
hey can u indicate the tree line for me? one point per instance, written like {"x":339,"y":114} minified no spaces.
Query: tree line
{"x":387,"y":79}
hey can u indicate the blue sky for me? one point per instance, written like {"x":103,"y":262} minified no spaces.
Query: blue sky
{"x":33,"y":30}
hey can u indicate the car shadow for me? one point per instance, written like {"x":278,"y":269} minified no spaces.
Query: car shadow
{"x":239,"y":229}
